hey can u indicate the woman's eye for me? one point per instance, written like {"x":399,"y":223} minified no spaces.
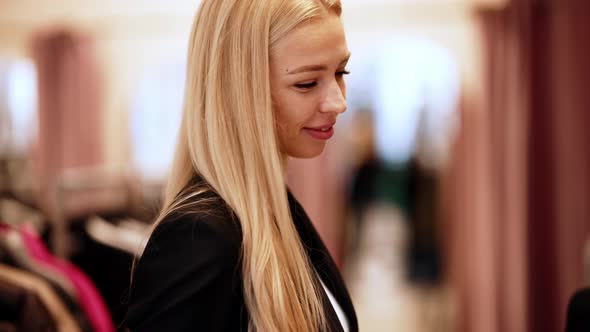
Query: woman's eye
{"x":342,"y":72}
{"x":306,"y":85}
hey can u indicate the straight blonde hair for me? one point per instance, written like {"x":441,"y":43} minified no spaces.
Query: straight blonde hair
{"x":228,"y":137}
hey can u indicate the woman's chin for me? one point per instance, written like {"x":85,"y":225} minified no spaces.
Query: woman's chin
{"x":309,"y":153}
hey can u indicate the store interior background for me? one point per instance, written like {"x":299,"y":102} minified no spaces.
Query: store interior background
{"x":454,"y":196}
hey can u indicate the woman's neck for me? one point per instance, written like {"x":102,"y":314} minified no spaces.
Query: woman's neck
{"x":284,"y":164}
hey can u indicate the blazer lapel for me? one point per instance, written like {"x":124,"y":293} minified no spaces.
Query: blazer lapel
{"x":324,"y":265}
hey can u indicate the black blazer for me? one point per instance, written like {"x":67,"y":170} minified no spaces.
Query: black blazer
{"x":578,"y":312}
{"x":189,"y":277}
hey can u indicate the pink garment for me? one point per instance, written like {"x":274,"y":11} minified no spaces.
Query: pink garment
{"x":90,"y":300}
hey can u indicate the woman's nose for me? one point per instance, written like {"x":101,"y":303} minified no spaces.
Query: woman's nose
{"x":334,"y":100}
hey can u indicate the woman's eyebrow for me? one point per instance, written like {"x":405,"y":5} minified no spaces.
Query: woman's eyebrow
{"x":309,"y":68}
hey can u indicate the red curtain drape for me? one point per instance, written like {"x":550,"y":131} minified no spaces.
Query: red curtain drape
{"x":70,"y":119}
{"x":69,"y":110}
{"x":520,"y":178}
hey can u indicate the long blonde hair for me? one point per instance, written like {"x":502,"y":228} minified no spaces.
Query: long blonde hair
{"x":228,"y":137}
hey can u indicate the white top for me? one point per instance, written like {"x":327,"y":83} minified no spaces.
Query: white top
{"x":337,"y":308}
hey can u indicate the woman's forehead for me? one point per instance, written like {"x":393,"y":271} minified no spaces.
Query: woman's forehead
{"x":318,"y":41}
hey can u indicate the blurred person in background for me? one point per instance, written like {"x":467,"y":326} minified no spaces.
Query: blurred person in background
{"x":232,"y":249}
{"x":362,"y":192}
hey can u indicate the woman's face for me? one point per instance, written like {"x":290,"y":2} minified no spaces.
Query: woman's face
{"x":307,"y":85}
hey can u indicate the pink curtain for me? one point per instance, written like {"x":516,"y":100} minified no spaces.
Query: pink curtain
{"x":69,"y":113}
{"x":519,"y":184}
{"x":70,"y":133}
{"x":571,"y":118}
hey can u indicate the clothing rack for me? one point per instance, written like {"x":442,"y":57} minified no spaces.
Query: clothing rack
{"x":74,"y":238}
{"x":81,"y":192}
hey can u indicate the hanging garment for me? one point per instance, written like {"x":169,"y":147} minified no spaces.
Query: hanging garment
{"x":90,"y":299}
{"x":8,"y":327}
{"x":14,"y":211}
{"x":63,"y":319}
{"x":128,"y":235}
{"x":11,"y":241}
{"x":16,"y":254}
{"x":94,"y":257}
{"x":23,"y":309}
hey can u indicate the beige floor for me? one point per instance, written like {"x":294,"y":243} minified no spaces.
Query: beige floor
{"x":383,"y":299}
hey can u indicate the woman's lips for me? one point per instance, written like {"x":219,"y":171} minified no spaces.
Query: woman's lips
{"x":320,"y":134}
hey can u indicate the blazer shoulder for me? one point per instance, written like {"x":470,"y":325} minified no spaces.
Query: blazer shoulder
{"x":207,"y":220}
{"x":193,"y":255}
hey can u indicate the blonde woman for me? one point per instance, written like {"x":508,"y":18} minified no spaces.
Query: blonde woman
{"x":232,"y":249}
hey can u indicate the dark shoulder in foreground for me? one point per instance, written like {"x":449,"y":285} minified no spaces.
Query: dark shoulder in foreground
{"x":206,"y":209}
{"x":189,"y":276}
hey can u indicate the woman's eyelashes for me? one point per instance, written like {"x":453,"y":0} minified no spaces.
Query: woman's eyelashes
{"x":306,"y":86}
{"x":312,"y":84}
{"x":343,"y":72}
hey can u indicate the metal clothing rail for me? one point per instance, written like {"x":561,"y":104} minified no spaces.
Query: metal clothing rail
{"x":83,"y":191}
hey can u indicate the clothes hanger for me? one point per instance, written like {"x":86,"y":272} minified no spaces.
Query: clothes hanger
{"x":12,"y":245}
{"x":128,"y":236}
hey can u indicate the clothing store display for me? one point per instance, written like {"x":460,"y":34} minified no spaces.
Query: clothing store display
{"x":16,"y":212}
{"x":38,"y":291}
{"x":95,"y":257}
{"x":80,"y":282}
{"x":23,"y":308}
{"x":62,"y":317}
{"x":8,"y":327}
{"x":89,"y":297}
{"x":189,"y":276}
{"x":127,"y":236}
{"x":13,"y":243}
{"x":14,"y":252}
